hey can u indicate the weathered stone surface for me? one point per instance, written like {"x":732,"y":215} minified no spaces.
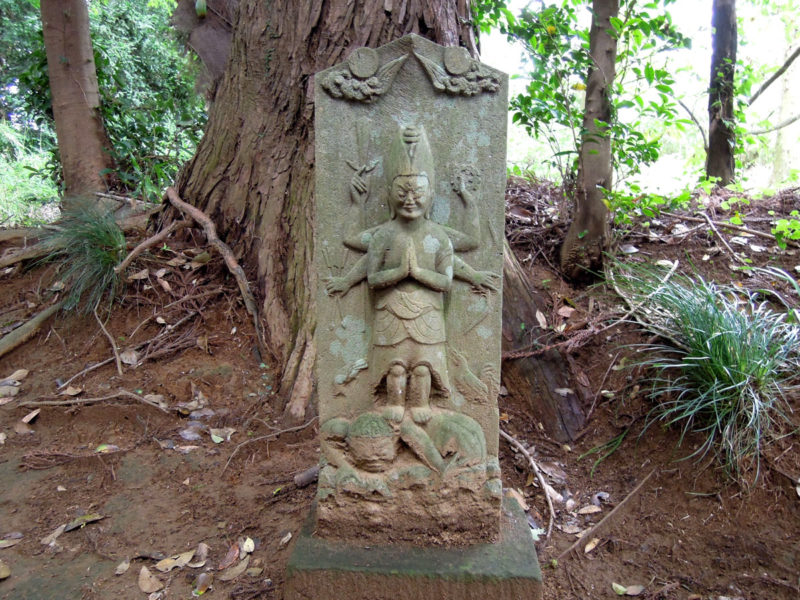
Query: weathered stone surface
{"x":509,"y":568}
{"x":410,"y":177}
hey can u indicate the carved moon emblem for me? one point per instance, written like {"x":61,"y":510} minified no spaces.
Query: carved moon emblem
{"x":363,"y":62}
{"x":457,"y":60}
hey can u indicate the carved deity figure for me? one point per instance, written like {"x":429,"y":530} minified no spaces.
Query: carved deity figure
{"x":409,"y":265}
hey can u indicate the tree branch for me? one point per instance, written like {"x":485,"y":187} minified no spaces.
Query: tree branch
{"x":781,"y":125}
{"x":775,"y":75}
{"x":696,"y":122}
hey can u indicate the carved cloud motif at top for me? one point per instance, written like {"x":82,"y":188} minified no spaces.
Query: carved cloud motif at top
{"x":362,"y":79}
{"x":461,"y":75}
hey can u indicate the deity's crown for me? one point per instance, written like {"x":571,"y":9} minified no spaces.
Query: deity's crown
{"x":410,"y":154}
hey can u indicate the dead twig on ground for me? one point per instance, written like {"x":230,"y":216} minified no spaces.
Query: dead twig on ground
{"x":82,"y":401}
{"x":23,"y":333}
{"x":230,"y":261}
{"x":536,"y":471}
{"x":594,"y":529}
{"x":110,"y":341}
{"x":269,"y":436}
{"x":713,"y":227}
{"x":136,"y":347}
{"x":731,"y":226}
{"x":150,"y":242}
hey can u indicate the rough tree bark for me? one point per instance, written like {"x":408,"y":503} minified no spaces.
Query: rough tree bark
{"x":82,"y":141}
{"x":253,"y":170}
{"x":721,"y":136}
{"x":586,"y":239}
{"x":535,"y":379}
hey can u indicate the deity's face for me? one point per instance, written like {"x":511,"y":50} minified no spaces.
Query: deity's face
{"x":410,"y":197}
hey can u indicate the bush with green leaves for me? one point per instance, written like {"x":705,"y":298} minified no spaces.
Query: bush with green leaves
{"x":87,"y":244}
{"x":556,"y":38}
{"x":730,"y":363}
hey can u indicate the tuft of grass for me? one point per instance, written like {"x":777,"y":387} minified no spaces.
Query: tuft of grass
{"x":726,"y":374}
{"x":88,"y":244}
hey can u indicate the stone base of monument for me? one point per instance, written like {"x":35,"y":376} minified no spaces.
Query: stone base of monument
{"x":320,"y":568}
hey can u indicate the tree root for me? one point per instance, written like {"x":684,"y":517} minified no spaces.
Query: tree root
{"x":148,"y":243}
{"x":269,"y":436}
{"x":83,"y":401}
{"x":230,"y":261}
{"x":536,"y":471}
{"x":23,"y":333}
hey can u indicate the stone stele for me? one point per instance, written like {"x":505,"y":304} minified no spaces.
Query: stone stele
{"x":410,"y":180}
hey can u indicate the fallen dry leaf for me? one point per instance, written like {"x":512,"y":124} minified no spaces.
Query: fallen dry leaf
{"x":591,"y":545}
{"x":230,"y":557}
{"x":50,"y":539}
{"x":5,"y":400}
{"x":285,"y":539}
{"x":164,"y":285}
{"x":9,"y":543}
{"x":82,"y":521}
{"x":176,"y":561}
{"x":72,"y":391}
{"x":5,"y":571}
{"x":201,"y":555}
{"x":23,"y":428}
{"x":148,"y":583}
{"x":566,"y":311}
{"x":233,"y":572}
{"x":246,"y":546}
{"x":143,"y":274}
{"x":19,"y":374}
{"x":122,"y":567}
{"x":9,"y":390}
{"x":517,"y":495}
{"x":31,"y":415}
{"x":129,"y":357}
{"x":589,"y":509}
{"x":541,"y":319}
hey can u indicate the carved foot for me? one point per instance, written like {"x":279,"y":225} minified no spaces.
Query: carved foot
{"x":421,"y":414}
{"x":393,"y":413}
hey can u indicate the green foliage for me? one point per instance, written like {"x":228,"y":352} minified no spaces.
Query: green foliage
{"x":558,"y":48}
{"x":88,"y":244}
{"x":787,"y":229}
{"x":730,"y":364}
{"x":152,"y":114}
{"x":633,"y":203}
{"x":24,"y":186}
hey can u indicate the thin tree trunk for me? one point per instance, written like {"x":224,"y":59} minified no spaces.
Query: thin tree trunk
{"x":253,"y":170}
{"x":586,"y":239}
{"x":721,"y":135}
{"x":82,"y":141}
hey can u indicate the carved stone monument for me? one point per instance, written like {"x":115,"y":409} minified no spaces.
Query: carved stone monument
{"x":410,"y":181}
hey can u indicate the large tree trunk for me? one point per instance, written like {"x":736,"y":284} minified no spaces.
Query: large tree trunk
{"x":586,"y":239}
{"x":721,"y":135}
{"x":253,"y":170}
{"x":82,"y":141}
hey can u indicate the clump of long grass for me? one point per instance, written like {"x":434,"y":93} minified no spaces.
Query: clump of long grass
{"x":728,"y":369}
{"x":89,"y":244}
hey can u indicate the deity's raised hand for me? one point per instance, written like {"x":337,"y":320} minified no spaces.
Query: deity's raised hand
{"x":358,"y":186}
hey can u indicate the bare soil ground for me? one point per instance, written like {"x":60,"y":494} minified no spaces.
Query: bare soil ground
{"x":163,"y":484}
